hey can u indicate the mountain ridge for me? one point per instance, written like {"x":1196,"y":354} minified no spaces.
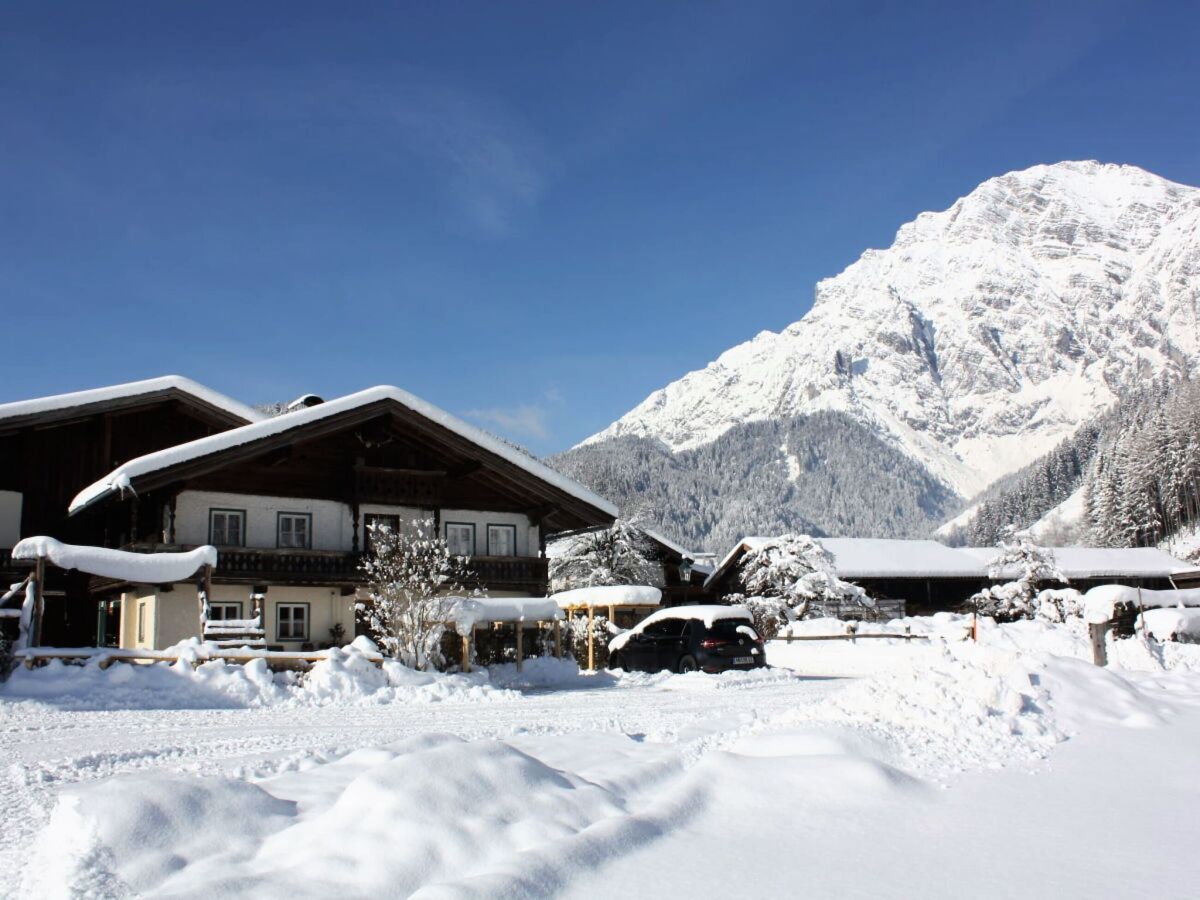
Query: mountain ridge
{"x":985,"y":335}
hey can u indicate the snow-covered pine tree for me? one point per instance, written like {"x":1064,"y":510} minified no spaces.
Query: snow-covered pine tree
{"x":1017,"y":599}
{"x":412,"y":581}
{"x":792,"y":577}
{"x":620,"y":554}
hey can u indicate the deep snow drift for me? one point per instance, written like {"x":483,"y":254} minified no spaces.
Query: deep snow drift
{"x":756,"y":781}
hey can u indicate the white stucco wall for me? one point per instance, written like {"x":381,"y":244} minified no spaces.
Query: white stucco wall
{"x":332,"y":523}
{"x":10,"y":518}
{"x":527,"y":539}
{"x":173,"y":616}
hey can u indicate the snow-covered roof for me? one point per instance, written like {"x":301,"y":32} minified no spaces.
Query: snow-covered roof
{"x":140,"y":568}
{"x":121,"y":477}
{"x":894,"y":558}
{"x":58,"y":402}
{"x":467,"y":612}
{"x":707,"y":613}
{"x":876,"y":558}
{"x":1097,"y":562}
{"x":609,"y":595}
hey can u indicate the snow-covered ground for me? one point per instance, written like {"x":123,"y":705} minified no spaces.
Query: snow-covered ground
{"x":937,"y":767}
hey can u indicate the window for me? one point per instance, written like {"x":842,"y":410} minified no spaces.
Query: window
{"x":227,"y":527}
{"x":460,"y":538}
{"x":502,"y":540}
{"x":141,"y":622}
{"x":294,"y":531}
{"x":220,"y":612}
{"x":380,"y":521}
{"x":291,"y":621}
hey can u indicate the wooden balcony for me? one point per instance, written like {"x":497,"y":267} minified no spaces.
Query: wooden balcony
{"x":248,"y":565}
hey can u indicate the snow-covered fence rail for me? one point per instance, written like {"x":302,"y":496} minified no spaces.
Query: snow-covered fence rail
{"x":852,"y":634}
{"x":193,"y":655}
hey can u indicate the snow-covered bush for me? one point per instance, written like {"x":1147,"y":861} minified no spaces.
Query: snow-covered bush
{"x":575,"y":636}
{"x":1058,"y":605}
{"x":792,"y":577}
{"x":412,"y":581}
{"x":1020,"y":599}
{"x":621,"y":554}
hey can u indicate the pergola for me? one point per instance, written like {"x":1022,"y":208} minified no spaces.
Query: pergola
{"x":468,"y":613}
{"x":609,"y":598}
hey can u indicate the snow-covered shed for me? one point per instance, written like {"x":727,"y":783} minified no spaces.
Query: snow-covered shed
{"x":52,"y":446}
{"x":924,"y":575}
{"x":289,"y":502}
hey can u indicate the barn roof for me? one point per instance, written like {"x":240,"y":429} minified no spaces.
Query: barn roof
{"x":121,"y":396}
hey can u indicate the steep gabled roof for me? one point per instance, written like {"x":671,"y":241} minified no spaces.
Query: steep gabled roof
{"x":209,"y":453}
{"x":123,"y":396}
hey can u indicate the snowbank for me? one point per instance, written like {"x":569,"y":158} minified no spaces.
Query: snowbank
{"x":143,"y":568}
{"x":609,"y":595}
{"x":1171,"y":624}
{"x":347,"y":675}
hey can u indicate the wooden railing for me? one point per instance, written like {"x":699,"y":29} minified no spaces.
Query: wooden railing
{"x":266,"y":566}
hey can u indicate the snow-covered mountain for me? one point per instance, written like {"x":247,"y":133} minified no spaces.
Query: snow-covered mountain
{"x":983,"y":336}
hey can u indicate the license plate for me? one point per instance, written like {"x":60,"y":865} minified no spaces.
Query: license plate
{"x":743,"y":660}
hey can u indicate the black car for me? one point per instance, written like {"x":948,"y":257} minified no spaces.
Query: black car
{"x":688,"y":645}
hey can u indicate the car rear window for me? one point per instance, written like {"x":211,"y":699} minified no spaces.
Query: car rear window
{"x":728,"y":627}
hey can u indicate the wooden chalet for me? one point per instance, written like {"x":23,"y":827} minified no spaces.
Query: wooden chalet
{"x":288,"y":502}
{"x":51,"y":446}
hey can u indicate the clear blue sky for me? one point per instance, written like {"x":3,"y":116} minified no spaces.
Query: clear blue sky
{"x":530,"y":214}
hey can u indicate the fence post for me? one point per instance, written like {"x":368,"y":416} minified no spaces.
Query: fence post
{"x":520,"y":645}
{"x":39,"y":602}
{"x":1097,"y":631}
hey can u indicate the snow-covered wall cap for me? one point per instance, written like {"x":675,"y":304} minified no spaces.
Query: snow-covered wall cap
{"x":1101,"y":602}
{"x":609,"y":595}
{"x":161,"y":459}
{"x":1097,"y":562}
{"x":131,"y":389}
{"x":140,"y":568}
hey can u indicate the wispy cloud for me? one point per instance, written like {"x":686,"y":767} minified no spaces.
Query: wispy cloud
{"x":528,"y":421}
{"x":493,"y":167}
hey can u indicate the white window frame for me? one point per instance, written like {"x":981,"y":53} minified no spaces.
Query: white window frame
{"x":304,"y":517}
{"x":236,"y":605}
{"x":510,"y":529}
{"x":240,"y":514}
{"x":446,"y":532}
{"x":279,"y":619}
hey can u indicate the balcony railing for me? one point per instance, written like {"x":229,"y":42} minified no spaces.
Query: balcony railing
{"x":267,"y":566}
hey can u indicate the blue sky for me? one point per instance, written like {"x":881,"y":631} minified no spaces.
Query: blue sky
{"x":530,"y":214}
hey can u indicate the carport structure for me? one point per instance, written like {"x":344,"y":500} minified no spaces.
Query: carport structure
{"x":637,"y":598}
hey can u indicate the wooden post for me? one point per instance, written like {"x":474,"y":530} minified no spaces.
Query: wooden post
{"x":520,"y":645}
{"x":204,"y":596}
{"x":466,"y":653}
{"x":1097,"y":631}
{"x":39,"y":603}
{"x":591,"y":640}
{"x":557,"y":639}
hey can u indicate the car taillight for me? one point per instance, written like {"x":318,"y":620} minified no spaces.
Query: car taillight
{"x":713,"y":642}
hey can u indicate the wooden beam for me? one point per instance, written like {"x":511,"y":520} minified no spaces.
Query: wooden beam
{"x":591,"y":640}
{"x":520,"y":645}
{"x":39,"y":601}
{"x":557,"y":639}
